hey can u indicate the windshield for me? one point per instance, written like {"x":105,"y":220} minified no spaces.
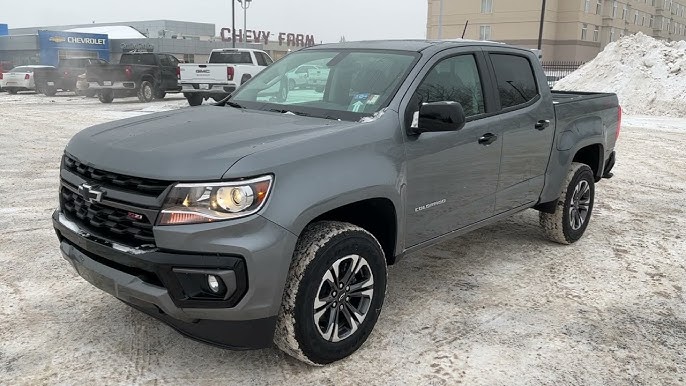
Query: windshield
{"x":231,"y":57}
{"x":336,"y":84}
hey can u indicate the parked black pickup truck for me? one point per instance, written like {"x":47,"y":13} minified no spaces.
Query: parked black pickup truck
{"x":63,"y":78}
{"x":146,"y":75}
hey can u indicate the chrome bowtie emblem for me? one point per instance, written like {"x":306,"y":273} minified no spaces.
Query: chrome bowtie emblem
{"x":90,"y":193}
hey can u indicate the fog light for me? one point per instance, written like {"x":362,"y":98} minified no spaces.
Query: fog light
{"x":213,"y":282}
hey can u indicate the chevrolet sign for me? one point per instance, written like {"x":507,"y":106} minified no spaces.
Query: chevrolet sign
{"x":57,"y":39}
{"x":99,"y":42}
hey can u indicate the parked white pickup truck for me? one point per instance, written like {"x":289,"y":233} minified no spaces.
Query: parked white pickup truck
{"x":225,"y":70}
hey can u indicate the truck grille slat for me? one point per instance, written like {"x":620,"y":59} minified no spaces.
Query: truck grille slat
{"x":139,"y":185}
{"x":112,"y":223}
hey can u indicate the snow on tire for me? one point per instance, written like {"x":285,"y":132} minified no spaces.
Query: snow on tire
{"x":334,"y":293}
{"x":575,"y":203}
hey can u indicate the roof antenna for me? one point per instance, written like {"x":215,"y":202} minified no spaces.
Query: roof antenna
{"x":465,"y":29}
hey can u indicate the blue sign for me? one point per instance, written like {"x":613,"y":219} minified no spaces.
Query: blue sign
{"x":4,"y":31}
{"x":53,"y":42}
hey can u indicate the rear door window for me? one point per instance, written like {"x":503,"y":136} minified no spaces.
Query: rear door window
{"x":515,"y":77}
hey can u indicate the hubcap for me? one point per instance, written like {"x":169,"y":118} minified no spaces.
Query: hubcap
{"x":148,"y":92}
{"x":580,"y":205}
{"x":343,"y":298}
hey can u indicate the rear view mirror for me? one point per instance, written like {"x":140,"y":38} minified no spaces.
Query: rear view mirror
{"x":439,"y":116}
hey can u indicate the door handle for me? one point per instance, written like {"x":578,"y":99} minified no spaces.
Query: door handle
{"x":542,"y":124}
{"x":487,"y":139}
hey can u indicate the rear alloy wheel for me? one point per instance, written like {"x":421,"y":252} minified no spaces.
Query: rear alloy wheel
{"x":334,"y":293}
{"x":106,"y":96}
{"x":574,"y":207}
{"x":145,"y":92}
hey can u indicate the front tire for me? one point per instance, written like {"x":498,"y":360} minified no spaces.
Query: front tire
{"x":574,"y":208}
{"x":334,"y":293}
{"x":145,"y":92}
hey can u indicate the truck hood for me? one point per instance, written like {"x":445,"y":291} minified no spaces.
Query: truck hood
{"x":190,"y":144}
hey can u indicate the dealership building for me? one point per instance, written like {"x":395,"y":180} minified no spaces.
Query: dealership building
{"x":190,"y":42}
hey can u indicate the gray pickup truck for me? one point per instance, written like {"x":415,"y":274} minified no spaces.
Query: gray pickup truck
{"x":272,"y":218}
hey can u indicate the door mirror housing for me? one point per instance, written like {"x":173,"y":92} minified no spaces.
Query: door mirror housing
{"x":438,"y":117}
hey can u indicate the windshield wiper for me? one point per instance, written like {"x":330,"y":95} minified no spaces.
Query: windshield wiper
{"x":234,"y":104}
{"x":284,"y":111}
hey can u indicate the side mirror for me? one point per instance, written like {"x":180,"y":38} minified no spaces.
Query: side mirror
{"x":438,"y":116}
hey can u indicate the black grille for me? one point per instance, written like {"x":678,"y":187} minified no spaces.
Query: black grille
{"x":112,"y":223}
{"x":135,"y":184}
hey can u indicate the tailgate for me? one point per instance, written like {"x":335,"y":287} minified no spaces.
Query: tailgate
{"x":105,"y":72}
{"x":203,"y":73}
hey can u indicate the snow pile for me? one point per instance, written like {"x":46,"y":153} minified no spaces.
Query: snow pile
{"x":113,"y":31}
{"x":648,"y":75}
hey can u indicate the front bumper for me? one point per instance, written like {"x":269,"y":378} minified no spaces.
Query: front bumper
{"x":145,"y":279}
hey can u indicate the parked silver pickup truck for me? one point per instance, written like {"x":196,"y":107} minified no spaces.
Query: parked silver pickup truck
{"x":266,"y":218}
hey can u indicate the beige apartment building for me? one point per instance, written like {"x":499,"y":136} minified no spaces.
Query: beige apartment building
{"x":574,"y":30}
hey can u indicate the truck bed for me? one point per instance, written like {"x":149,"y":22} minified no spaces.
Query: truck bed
{"x":575,"y":96}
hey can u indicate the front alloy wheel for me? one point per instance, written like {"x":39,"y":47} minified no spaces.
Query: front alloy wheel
{"x":344,"y":297}
{"x":334,"y":293}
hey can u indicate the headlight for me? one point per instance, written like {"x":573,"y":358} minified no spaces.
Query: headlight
{"x":216,"y":201}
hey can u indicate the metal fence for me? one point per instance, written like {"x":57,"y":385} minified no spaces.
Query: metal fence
{"x":555,"y":71}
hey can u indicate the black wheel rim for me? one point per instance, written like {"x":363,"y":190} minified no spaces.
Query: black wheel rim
{"x":343,"y":298}
{"x":580,"y":205}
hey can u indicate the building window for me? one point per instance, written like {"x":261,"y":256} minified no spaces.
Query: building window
{"x":625,"y":12}
{"x":612,"y":34}
{"x":651,"y":21}
{"x":584,"y":31}
{"x":485,"y":32}
{"x":599,"y":7}
{"x":636,"y":18}
{"x":615,"y":4}
{"x":486,"y":6}
{"x":587,"y":6}
{"x":596,"y":34}
{"x":189,"y":58}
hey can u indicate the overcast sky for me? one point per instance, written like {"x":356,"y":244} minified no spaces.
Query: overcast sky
{"x":326,"y":19}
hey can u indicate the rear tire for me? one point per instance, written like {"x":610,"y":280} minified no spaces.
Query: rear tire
{"x":12,"y":91}
{"x":91,"y":93}
{"x":574,"y":208}
{"x":50,"y":91}
{"x":145,"y":92}
{"x":160,"y":94}
{"x":320,"y":321}
{"x":106,"y":96}
{"x":194,"y":99}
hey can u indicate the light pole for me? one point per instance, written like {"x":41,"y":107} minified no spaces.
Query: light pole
{"x":245,"y":4}
{"x":540,"y":28}
{"x":440,"y":20}
{"x":233,"y":23}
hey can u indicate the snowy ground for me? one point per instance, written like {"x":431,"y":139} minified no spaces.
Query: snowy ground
{"x":498,"y":306}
